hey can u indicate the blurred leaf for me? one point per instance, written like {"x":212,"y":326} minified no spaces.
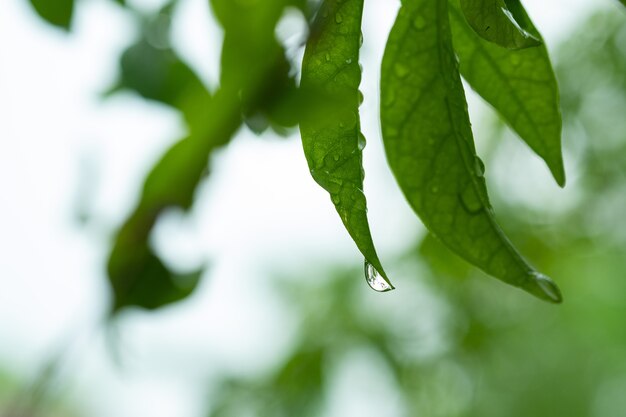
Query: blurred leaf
{"x":492,"y":21}
{"x":133,"y":268}
{"x":250,"y":58}
{"x":151,"y":68}
{"x":520,"y":85}
{"x":56,"y":12}
{"x":331,"y":136}
{"x":430,"y":147}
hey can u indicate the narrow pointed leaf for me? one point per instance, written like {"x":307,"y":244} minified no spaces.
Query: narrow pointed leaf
{"x":430,"y":148}
{"x":492,"y":21}
{"x":520,"y":85}
{"x":331,"y":135}
{"x":56,"y":12}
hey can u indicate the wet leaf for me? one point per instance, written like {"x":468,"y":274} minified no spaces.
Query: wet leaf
{"x":331,"y":134}
{"x":520,"y":85}
{"x":430,"y":146}
{"x":492,"y":21}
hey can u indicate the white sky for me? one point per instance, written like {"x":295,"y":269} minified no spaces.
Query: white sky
{"x":54,"y":133}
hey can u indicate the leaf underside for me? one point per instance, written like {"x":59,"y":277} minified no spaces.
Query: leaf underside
{"x":331,"y":134}
{"x":492,"y":21}
{"x":519,"y":84}
{"x":430,"y":147}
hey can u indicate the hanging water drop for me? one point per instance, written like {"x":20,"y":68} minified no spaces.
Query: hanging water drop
{"x":470,"y":201}
{"x":479,"y":167}
{"x":361,"y":141}
{"x":419,"y":22}
{"x":374,"y":280}
{"x":338,"y":18}
{"x":549,"y":289}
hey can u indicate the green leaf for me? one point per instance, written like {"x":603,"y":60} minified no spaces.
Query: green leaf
{"x":331,"y":135}
{"x":520,"y":85}
{"x":430,"y":147}
{"x":250,"y":58}
{"x":56,"y":12}
{"x":160,"y":75}
{"x":132,"y":266}
{"x":492,"y":21}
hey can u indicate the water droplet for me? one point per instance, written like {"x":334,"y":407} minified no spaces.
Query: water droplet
{"x":349,"y":61}
{"x":419,"y":22}
{"x":338,"y":18}
{"x":375,"y":280}
{"x":548,"y":287}
{"x":335,"y":198}
{"x":401,"y":70}
{"x":471,"y":202}
{"x":361,"y":98}
{"x":336,"y":157}
{"x":327,"y":57}
{"x":361,"y":142}
{"x":361,"y":39}
{"x":479,"y":167}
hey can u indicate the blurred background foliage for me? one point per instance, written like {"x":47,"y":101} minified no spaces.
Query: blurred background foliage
{"x":453,"y":343}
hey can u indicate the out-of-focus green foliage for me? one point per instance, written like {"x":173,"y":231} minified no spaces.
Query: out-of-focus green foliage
{"x":488,"y":352}
{"x":56,"y":12}
{"x":253,"y":71}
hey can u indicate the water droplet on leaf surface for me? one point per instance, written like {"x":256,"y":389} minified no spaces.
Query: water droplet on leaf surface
{"x":338,"y":18}
{"x":548,"y":287}
{"x":361,"y":142}
{"x":479,"y":167}
{"x":375,"y":280}
{"x":471,"y":202}
{"x":401,"y":70}
{"x":419,"y":23}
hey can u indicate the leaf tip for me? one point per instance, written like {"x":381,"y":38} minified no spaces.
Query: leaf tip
{"x":558,"y":172}
{"x":548,"y":289}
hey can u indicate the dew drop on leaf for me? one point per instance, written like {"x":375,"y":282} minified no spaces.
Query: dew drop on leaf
{"x":401,"y":70}
{"x":471,"y":202}
{"x":419,"y":23}
{"x":338,"y":18}
{"x":479,"y":167}
{"x":361,"y":141}
{"x":374,"y":280}
{"x":548,"y":287}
